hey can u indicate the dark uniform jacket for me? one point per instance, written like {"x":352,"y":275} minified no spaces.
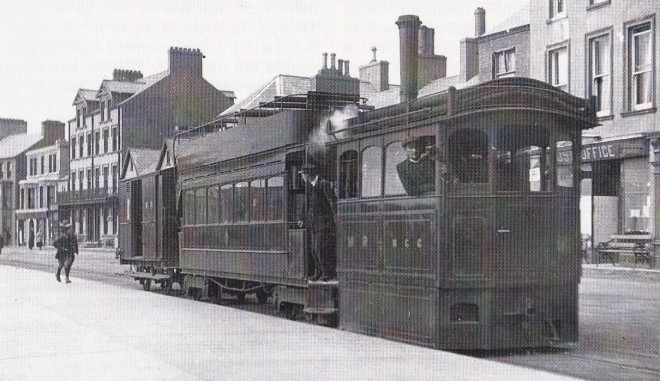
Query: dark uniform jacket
{"x":417,"y":178}
{"x":321,"y":204}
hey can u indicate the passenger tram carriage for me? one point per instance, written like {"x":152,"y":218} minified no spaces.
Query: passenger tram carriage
{"x":487,"y":256}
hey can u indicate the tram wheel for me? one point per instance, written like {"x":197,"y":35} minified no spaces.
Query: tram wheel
{"x":146,"y":286}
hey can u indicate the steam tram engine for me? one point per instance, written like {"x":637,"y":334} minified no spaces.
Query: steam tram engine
{"x":485,"y":255}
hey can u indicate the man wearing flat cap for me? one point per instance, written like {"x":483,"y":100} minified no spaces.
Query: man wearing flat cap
{"x":67,"y":247}
{"x":417,"y":172}
{"x":321,"y":210}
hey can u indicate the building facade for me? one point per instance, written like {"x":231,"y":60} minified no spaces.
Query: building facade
{"x":47,"y":167}
{"x":129,"y":111}
{"x":608,"y":50}
{"x":14,"y":143}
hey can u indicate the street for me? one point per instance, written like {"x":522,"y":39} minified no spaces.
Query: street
{"x":619,"y":316}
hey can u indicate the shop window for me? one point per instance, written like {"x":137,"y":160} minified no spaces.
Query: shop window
{"x":565,"y":178}
{"x":226,"y":203}
{"x":241,"y":202}
{"x":213,"y":202}
{"x":258,"y":200}
{"x":348,"y":170}
{"x":468,"y":156}
{"x":372,"y":174}
{"x":200,"y":206}
{"x":275,"y":202}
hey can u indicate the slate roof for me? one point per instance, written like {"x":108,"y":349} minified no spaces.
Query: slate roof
{"x":85,"y":94}
{"x":144,"y":160}
{"x":391,"y":97}
{"x":519,"y":18}
{"x":13,"y":145}
{"x":279,"y":86}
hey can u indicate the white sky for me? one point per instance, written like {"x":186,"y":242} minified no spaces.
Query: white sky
{"x":50,"y":49}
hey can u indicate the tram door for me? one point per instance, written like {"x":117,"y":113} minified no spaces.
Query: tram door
{"x":297,"y":261}
{"x":135,"y":208}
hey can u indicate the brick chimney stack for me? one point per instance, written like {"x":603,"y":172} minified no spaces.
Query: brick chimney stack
{"x":126,"y":75}
{"x":12,"y":127}
{"x":408,"y":47}
{"x":479,"y":22}
{"x":184,"y":60}
{"x":52,"y":130}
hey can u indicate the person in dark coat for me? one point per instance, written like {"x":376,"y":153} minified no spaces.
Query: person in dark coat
{"x":2,"y":242}
{"x":417,"y":172}
{"x":320,"y":223}
{"x":67,"y":248}
{"x":31,"y":238}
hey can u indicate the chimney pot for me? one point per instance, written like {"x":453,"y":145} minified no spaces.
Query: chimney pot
{"x":346,"y":68}
{"x":325,"y":60}
{"x":340,"y":66}
{"x":373,"y":49}
{"x":332,"y":61}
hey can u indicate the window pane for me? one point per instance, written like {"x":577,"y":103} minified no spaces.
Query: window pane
{"x":213,"y":205}
{"x":348,"y":170}
{"x":394,"y":155}
{"x":258,"y":199}
{"x":275,"y":202}
{"x":565,"y":164}
{"x":226,"y":202}
{"x":241,"y":202}
{"x":188,"y":207}
{"x":371,"y":172}
{"x":468,"y":156}
{"x":200,"y":206}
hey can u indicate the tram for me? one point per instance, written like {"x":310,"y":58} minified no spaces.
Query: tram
{"x":484,"y":255}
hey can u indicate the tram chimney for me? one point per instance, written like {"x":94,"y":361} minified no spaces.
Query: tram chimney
{"x":408,"y":46}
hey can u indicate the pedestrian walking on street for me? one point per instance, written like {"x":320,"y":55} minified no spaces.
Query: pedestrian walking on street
{"x":31,"y":238}
{"x":67,"y":248}
{"x":40,"y":239}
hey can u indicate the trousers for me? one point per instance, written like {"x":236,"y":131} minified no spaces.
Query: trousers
{"x":66,"y":261}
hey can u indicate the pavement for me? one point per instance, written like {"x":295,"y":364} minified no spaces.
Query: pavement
{"x":94,"y":330}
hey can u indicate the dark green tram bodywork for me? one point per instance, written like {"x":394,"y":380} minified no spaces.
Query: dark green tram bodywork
{"x":487,"y":260}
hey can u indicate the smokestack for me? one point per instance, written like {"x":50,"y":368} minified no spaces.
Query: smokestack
{"x":408,"y":46}
{"x":340,"y":66}
{"x":479,"y":22}
{"x":346,"y":68}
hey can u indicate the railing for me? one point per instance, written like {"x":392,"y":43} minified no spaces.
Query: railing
{"x":85,"y":196}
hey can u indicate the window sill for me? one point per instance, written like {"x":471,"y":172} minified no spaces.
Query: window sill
{"x":605,"y":117}
{"x":649,"y":110}
{"x":591,"y":7}
{"x":556,"y":18}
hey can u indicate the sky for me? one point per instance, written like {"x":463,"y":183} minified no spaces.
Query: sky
{"x":50,"y":49}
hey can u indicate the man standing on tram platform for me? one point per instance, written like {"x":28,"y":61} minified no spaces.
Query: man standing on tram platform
{"x":320,"y":223}
{"x":417,"y":172}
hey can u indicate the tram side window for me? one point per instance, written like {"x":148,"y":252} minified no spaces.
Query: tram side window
{"x":226,"y":203}
{"x":523,"y":161}
{"x":565,"y":164}
{"x":372,"y":173}
{"x":468,"y":156}
{"x":200,"y":206}
{"x":275,"y":196}
{"x":348,"y":171}
{"x":241,"y":202}
{"x":394,"y":155}
{"x":213,"y":212}
{"x":189,"y":207}
{"x":258,"y":200}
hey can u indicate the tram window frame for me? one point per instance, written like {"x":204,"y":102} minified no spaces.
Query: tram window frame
{"x":348,"y":174}
{"x":393,"y":184}
{"x":375,"y":183}
{"x":241,"y":214}
{"x":257,"y":205}
{"x":226,"y":203}
{"x":188,"y":207}
{"x":570,"y":155}
{"x":517,"y":147}
{"x":463,"y":158}
{"x":213,"y":208}
{"x":200,"y":206}
{"x":275,"y":198}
